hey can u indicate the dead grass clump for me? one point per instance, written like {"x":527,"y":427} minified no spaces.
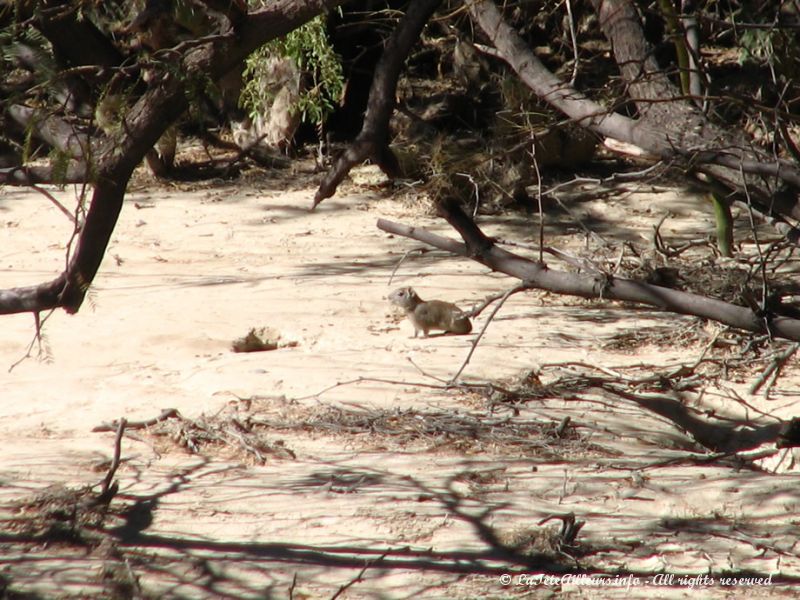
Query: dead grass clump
{"x":223,"y":434}
{"x":442,"y":431}
{"x":59,"y":514}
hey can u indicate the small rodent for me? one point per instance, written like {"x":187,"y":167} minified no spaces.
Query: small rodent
{"x":434,"y":314}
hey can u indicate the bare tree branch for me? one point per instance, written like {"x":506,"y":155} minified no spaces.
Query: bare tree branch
{"x":373,"y":140}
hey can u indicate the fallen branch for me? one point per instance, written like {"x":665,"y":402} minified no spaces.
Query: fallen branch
{"x":538,"y":275}
{"x":505,"y":296}
{"x":167,"y":413}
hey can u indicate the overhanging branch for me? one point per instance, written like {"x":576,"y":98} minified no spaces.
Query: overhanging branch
{"x":373,"y":139}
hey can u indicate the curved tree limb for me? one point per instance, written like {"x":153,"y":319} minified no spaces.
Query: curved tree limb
{"x":480,"y":248}
{"x":76,"y":172}
{"x":373,"y":140}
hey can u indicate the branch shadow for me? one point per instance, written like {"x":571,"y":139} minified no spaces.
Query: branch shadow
{"x":140,"y":554}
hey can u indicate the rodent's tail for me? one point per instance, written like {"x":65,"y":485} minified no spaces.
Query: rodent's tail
{"x":462,"y":325}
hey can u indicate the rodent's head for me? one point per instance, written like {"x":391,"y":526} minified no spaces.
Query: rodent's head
{"x":405,"y":297}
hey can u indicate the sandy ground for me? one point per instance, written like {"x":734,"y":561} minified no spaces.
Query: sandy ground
{"x":191,"y":268}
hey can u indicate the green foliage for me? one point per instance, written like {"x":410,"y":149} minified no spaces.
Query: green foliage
{"x":59,"y":162}
{"x":308,"y":46}
{"x":755,"y":44}
{"x":771,"y":45}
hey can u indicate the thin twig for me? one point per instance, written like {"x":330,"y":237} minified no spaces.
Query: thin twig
{"x":403,"y":258}
{"x":167,"y":413}
{"x":373,"y":380}
{"x":539,"y":200}
{"x":517,"y":288}
{"x":426,"y":374}
{"x":112,"y":470}
{"x":730,"y":393}
{"x":704,"y":459}
{"x":58,"y":204}
{"x":762,"y":265}
{"x":574,"y":39}
{"x":770,"y":374}
{"x":358,"y":578}
{"x":37,"y":339}
{"x":614,"y":178}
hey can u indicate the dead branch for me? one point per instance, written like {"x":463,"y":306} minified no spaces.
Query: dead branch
{"x":421,"y":250}
{"x":668,"y":402}
{"x":770,"y":374}
{"x":484,"y":304}
{"x":168,"y":413}
{"x":360,"y":577}
{"x":741,"y":457}
{"x":57,"y":204}
{"x":37,"y":340}
{"x":480,"y":248}
{"x":107,"y":490}
{"x":226,"y":430}
{"x":514,"y":290}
